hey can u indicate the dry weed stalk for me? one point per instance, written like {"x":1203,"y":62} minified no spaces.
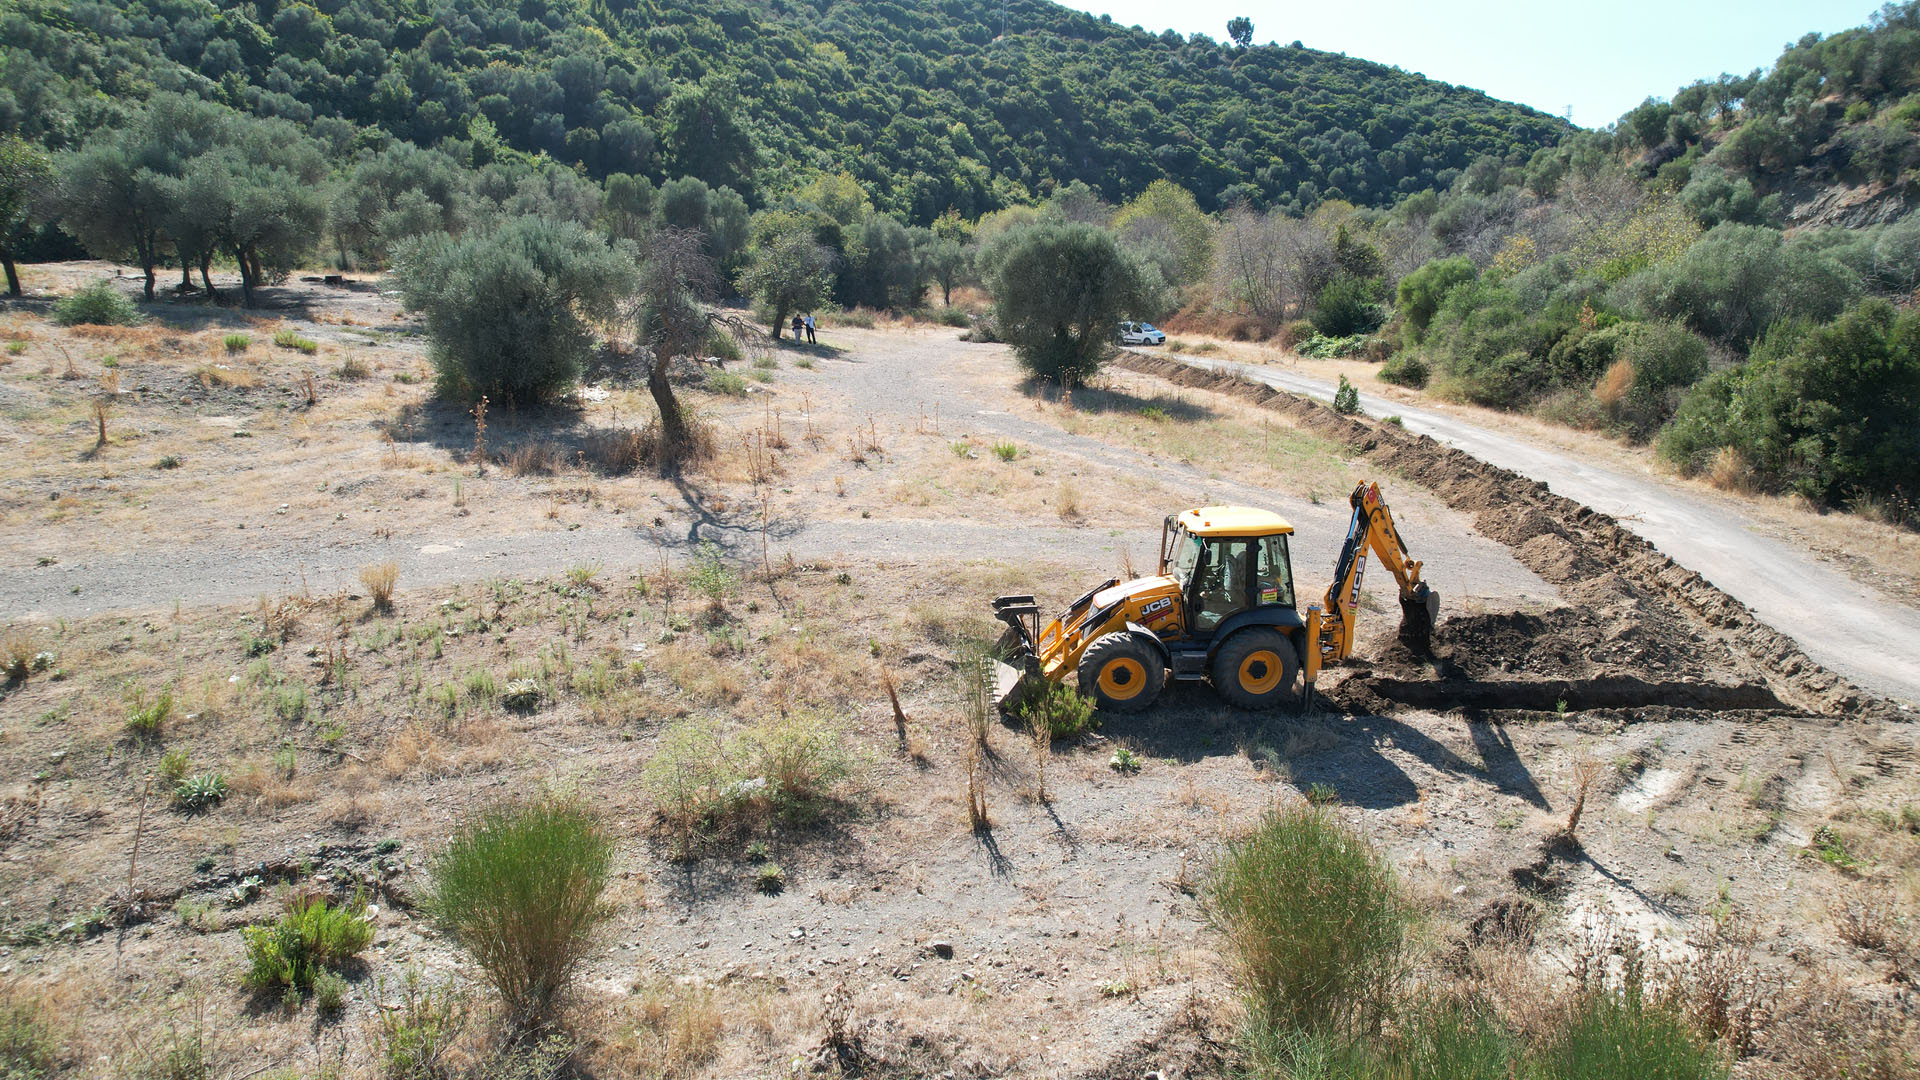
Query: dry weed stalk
{"x":1041,"y":736}
{"x":313,"y":396}
{"x":976,"y":690}
{"x":1584,"y":774}
{"x":480,"y":434}
{"x":892,"y":688}
{"x":100,"y":422}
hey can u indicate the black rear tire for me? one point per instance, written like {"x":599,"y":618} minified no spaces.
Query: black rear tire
{"x":1121,"y":673}
{"x":1256,"y":669}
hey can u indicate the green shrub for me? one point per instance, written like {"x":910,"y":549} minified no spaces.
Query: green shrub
{"x":1619,"y":1034}
{"x":311,"y":936}
{"x":329,"y":991}
{"x":803,"y":759}
{"x":1321,"y":347}
{"x":237,"y":343}
{"x":722,"y":382}
{"x":1346,"y":399}
{"x":1006,"y":449}
{"x":1738,"y":280}
{"x":1405,"y":369}
{"x":952,"y":316}
{"x":1067,"y":712}
{"x":1420,"y":293}
{"x":1347,"y":306}
{"x":174,"y":766}
{"x":770,"y":879}
{"x":99,"y":304}
{"x":519,"y":888}
{"x":1824,"y":411}
{"x":1315,"y":921}
{"x":287,"y":339}
{"x":510,"y":308}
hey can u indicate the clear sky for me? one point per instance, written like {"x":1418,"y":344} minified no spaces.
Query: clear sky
{"x":1601,"y":58}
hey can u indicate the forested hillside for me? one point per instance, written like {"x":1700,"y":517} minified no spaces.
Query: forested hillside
{"x":939,"y":104}
{"x":1731,"y":272}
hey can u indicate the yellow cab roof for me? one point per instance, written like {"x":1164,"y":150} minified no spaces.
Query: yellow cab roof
{"x":1233,"y":521}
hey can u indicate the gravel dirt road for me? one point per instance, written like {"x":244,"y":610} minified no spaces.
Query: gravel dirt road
{"x":1838,"y":622}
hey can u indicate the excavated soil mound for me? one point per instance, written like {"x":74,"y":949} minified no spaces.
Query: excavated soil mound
{"x":1635,"y":612}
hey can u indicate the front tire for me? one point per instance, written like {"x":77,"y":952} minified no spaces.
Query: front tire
{"x":1255,"y":669}
{"x":1121,"y":673}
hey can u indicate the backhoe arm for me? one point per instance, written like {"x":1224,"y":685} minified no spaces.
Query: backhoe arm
{"x":1330,"y":624}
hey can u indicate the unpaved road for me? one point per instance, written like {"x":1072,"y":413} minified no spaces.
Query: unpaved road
{"x":894,"y":378}
{"x":1839,"y":623}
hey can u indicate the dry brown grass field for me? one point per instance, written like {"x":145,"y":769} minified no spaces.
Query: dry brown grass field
{"x":200,"y":596}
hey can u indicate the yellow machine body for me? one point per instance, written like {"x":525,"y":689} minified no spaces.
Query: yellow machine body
{"x":1221,"y":607}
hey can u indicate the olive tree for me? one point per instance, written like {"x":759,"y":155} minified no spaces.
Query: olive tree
{"x":509,"y":309}
{"x":789,"y":271}
{"x":23,"y":168}
{"x":1059,"y":290}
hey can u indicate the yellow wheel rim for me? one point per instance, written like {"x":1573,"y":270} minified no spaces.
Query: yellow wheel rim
{"x":1260,"y":671}
{"x":1123,"y":678}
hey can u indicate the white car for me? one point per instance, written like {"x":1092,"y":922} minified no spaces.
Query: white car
{"x":1141,"y":333}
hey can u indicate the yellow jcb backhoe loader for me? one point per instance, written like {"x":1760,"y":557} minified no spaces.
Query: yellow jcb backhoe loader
{"x":1221,"y":607}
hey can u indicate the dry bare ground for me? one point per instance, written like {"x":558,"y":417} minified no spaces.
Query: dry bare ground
{"x":858,"y":517}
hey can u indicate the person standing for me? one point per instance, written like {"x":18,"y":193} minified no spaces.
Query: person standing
{"x":810,"y":337}
{"x":798,"y":326}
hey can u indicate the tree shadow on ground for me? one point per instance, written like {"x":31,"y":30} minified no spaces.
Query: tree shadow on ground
{"x":1102,"y":400}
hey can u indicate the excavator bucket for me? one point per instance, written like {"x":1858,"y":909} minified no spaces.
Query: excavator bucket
{"x":1418,"y":614}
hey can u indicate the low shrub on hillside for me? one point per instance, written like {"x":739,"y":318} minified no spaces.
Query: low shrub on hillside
{"x":519,"y":888}
{"x":706,"y":784}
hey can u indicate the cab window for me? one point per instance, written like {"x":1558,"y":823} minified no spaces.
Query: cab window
{"x":1273,"y":572}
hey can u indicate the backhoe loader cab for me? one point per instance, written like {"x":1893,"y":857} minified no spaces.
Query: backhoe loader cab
{"x":1221,"y":608}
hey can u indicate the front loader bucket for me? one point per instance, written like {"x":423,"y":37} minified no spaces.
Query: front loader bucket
{"x":1418,"y":614}
{"x":1011,"y":683}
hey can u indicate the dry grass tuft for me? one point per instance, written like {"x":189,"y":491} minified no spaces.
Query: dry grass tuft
{"x":211,"y":376}
{"x":539,"y":457}
{"x":1729,"y":471}
{"x":380,"y":580}
{"x":1612,"y":388}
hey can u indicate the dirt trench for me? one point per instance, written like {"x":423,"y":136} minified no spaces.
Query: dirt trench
{"x":1635,"y":614}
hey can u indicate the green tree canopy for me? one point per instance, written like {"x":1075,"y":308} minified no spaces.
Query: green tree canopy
{"x":509,"y":308}
{"x":789,"y":270}
{"x":1059,"y":291}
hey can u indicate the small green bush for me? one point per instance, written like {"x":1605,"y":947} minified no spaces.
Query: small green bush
{"x":724,"y":382}
{"x":1346,"y":399}
{"x":1315,"y":921}
{"x":1348,"y":306}
{"x":1006,"y":450}
{"x":237,"y":343}
{"x":1619,"y":1034}
{"x":1067,"y":712}
{"x":706,"y":785}
{"x":770,"y":879}
{"x":287,"y":339}
{"x":146,"y":716}
{"x":952,"y":316}
{"x":519,"y":888}
{"x":99,"y":304}
{"x":329,"y":992}
{"x":310,"y":937}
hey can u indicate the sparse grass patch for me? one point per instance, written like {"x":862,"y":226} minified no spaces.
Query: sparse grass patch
{"x":28,"y":1048}
{"x":707,"y":785}
{"x":220,"y":375}
{"x":725,"y":382}
{"x":414,"y":1034}
{"x":519,"y":888}
{"x":147,"y":715}
{"x":287,"y":339}
{"x":353,"y":368}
